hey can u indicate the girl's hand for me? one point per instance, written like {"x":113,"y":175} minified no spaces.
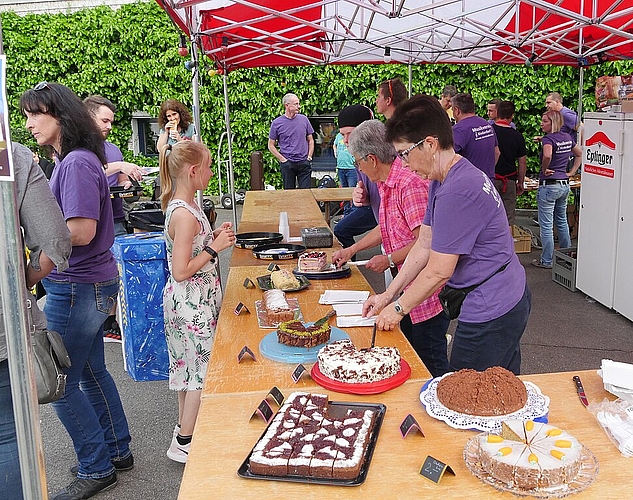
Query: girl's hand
{"x":225,"y":239}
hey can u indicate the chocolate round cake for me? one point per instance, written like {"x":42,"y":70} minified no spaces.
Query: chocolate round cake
{"x":495,"y":391}
{"x":296,"y":334}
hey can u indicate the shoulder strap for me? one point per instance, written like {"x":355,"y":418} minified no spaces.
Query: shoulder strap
{"x":472,"y":287}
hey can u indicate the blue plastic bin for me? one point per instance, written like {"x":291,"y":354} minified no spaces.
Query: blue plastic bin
{"x":142,"y":262}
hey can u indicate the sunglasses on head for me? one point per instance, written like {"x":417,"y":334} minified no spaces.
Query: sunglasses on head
{"x":42,"y":86}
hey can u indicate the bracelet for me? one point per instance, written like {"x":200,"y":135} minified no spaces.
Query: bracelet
{"x":391,"y":263}
{"x":211,"y":252}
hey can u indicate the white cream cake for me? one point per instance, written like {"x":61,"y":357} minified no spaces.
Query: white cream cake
{"x":341,"y":361}
{"x":312,"y":261}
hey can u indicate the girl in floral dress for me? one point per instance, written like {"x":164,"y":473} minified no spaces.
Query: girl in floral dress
{"x":192,"y":294}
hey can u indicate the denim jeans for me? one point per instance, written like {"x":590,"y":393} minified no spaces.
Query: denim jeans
{"x":347,"y":177}
{"x":358,"y":221}
{"x":91,"y":408}
{"x":552,"y":209}
{"x":296,"y":174}
{"x":428,"y":339}
{"x":494,"y":343}
{"x":10,"y":478}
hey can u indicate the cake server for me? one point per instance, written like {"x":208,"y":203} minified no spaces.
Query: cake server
{"x":373,"y":337}
{"x":324,"y":319}
{"x":581,"y":391}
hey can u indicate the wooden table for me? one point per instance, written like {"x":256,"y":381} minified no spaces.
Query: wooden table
{"x":224,"y":437}
{"x":328,"y":195}
{"x":233,"y":332}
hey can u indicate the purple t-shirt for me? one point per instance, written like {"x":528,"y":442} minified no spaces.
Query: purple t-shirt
{"x":292,"y":136}
{"x":475,"y":140}
{"x":113,"y":153}
{"x":562,"y":145}
{"x":81,"y":188}
{"x":372,"y":191}
{"x":570,"y":122}
{"x":467,"y":218}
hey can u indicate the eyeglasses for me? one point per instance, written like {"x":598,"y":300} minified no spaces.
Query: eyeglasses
{"x":356,"y":162}
{"x":42,"y":86}
{"x":404,"y":155}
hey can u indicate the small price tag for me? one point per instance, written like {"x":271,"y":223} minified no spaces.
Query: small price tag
{"x":263,"y":410}
{"x":239,"y":308}
{"x":276,"y":395}
{"x":433,"y":469}
{"x":409,"y":423}
{"x":245,"y":350}
{"x":273,"y":267}
{"x":248,"y":283}
{"x":297,"y":372}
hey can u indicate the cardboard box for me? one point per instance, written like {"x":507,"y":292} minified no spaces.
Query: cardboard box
{"x":522,"y":240}
{"x":627,"y":103}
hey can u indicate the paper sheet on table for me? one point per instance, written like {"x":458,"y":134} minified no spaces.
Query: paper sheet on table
{"x":350,"y":321}
{"x":355,"y":309}
{"x":343,"y":296}
{"x":617,"y":373}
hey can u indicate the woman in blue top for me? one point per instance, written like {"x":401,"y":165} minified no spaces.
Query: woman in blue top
{"x":175,"y":122}
{"x":553,"y":188}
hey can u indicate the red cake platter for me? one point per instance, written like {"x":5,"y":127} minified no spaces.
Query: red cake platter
{"x":369,"y":388}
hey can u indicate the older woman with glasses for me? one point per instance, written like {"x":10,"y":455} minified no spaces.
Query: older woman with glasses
{"x":403,"y":202}
{"x":79,"y":299}
{"x":463,"y":242}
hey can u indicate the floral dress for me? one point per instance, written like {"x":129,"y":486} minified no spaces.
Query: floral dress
{"x":191,"y":308}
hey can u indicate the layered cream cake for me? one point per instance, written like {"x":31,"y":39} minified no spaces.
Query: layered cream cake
{"x":530,"y":455}
{"x":312,"y":261}
{"x":341,"y":361}
{"x":304,"y":439}
{"x":276,"y":307}
{"x":495,"y":391}
{"x":284,"y":280}
{"x":294,"y":333}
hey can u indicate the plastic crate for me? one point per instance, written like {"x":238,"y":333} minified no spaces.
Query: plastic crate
{"x":522,"y":240}
{"x":564,"y":268}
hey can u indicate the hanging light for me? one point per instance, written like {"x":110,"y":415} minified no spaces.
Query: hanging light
{"x":530,"y":60}
{"x":182,"y":46}
{"x":387,"y":56}
{"x":190,"y":65}
{"x":224,"y":48}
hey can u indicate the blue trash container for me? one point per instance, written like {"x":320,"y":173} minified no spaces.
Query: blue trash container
{"x":142,"y":262}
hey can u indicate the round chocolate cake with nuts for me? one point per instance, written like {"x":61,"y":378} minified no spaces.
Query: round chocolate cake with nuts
{"x":296,"y":334}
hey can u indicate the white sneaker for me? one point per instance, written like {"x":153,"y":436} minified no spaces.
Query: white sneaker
{"x":176,"y":430}
{"x":178,"y":452}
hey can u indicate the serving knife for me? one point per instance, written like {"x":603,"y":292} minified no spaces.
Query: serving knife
{"x":581,"y":391}
{"x":325,"y":318}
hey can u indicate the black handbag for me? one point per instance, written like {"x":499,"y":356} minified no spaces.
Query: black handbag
{"x":452,"y":298}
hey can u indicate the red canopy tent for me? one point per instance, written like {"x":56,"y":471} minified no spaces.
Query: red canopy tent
{"x":257,"y":33}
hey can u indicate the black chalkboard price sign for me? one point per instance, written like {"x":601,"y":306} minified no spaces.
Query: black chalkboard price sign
{"x":433,"y":469}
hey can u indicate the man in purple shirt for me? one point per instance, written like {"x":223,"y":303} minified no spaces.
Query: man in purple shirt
{"x":554,"y":102}
{"x":293,"y":133}
{"x":474,"y":138}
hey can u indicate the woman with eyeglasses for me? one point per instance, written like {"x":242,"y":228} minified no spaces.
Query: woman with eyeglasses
{"x":403,"y":202}
{"x":80,"y":298}
{"x":464,"y":241}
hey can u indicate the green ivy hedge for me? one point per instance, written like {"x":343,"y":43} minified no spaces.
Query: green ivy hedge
{"x":130,"y":56}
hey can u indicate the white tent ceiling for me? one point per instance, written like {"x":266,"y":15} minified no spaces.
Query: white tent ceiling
{"x":298,"y":32}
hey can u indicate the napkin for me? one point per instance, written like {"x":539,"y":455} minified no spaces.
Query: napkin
{"x":347,"y":309}
{"x":342,"y":296}
{"x":350,"y":321}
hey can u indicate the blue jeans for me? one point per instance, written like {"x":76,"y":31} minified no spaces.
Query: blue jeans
{"x":552,"y":209}
{"x":493,"y":343}
{"x":428,"y":339}
{"x":299,"y":172}
{"x":10,"y":478}
{"x":91,"y":408}
{"x":358,"y":221}
{"x":347,"y":177}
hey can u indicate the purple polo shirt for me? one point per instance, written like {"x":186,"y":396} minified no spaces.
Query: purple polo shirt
{"x":467,"y":219}
{"x":562,"y":144}
{"x":81,"y":188}
{"x":475,"y":140}
{"x":113,"y":153}
{"x":570,"y":119}
{"x":292,"y":133}
{"x":372,"y":192}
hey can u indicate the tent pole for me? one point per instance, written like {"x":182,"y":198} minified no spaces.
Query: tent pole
{"x":18,"y":338}
{"x":227,"y":121}
{"x":195,"y":87}
{"x":410,"y":79}
{"x":581,"y":84}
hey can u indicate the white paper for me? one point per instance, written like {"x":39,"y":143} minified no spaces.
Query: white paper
{"x":617,"y":373}
{"x":350,"y":321}
{"x":343,"y":296}
{"x":357,"y":262}
{"x":294,"y":239}
{"x":355,"y":309}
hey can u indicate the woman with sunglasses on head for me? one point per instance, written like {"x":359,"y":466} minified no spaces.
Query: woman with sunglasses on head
{"x":464,"y":241}
{"x":175,"y":122}
{"x":80,"y":298}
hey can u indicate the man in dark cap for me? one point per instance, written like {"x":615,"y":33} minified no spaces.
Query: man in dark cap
{"x":366,"y":196}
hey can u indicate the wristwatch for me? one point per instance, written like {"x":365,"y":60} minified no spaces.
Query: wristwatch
{"x":398,"y":308}
{"x":211,"y":252}
{"x":391,"y":262}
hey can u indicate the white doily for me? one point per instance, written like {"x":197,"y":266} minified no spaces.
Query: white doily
{"x":537,"y":405}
